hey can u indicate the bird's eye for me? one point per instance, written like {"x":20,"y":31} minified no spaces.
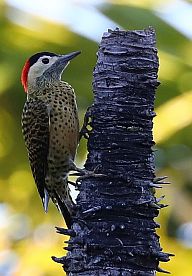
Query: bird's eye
{"x":45,"y":60}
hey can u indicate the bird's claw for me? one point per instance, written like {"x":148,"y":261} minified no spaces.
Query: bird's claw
{"x":84,"y":132}
{"x":83,"y":173}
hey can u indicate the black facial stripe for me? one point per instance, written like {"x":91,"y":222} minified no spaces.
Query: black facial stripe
{"x":33,"y":59}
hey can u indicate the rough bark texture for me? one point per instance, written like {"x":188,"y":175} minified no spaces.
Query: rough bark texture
{"x":114,"y":232}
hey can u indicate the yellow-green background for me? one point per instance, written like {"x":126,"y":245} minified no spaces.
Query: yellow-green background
{"x":27,"y":235}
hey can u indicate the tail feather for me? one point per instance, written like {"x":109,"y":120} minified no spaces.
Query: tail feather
{"x":46,"y":200}
{"x":58,"y":190}
{"x":64,"y":210}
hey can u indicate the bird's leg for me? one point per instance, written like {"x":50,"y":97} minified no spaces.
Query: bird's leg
{"x":84,"y":132}
{"x":83,"y":173}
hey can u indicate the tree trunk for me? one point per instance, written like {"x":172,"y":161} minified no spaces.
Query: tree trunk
{"x":114,"y":232}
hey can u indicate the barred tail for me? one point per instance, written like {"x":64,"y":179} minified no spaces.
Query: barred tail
{"x":64,"y":210}
{"x":59,"y":192}
{"x":64,"y":201}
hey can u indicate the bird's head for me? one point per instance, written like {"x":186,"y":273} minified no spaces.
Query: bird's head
{"x":44,"y":67}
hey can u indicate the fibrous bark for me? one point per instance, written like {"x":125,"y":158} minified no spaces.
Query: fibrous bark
{"x":114,"y":232}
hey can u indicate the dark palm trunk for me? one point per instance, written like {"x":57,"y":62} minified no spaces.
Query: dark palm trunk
{"x":114,"y":232}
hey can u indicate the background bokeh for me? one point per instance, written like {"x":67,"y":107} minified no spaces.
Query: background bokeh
{"x":27,"y":235}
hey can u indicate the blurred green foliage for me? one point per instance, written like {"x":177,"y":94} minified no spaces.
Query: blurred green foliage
{"x":27,"y":235}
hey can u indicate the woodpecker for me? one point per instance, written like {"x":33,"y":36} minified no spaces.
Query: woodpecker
{"x":50,"y":127}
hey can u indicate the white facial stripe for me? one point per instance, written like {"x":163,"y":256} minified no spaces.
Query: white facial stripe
{"x":38,"y":68}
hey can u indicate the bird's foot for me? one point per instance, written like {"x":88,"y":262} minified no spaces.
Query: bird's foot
{"x":84,"y":132}
{"x":83,"y":173}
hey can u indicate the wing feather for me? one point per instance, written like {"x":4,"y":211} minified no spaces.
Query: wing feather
{"x":35,"y":126}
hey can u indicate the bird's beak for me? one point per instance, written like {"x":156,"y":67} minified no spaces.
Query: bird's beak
{"x":64,"y":60}
{"x":68,"y":57}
